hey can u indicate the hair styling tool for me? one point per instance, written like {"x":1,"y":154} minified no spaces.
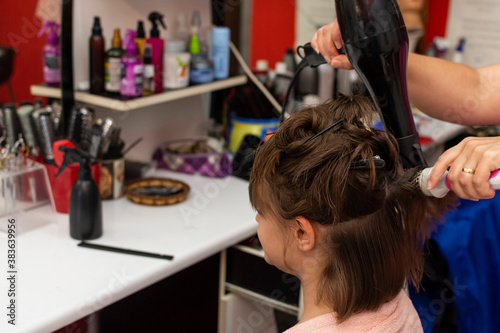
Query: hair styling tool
{"x":46,"y":136}
{"x":80,"y":126}
{"x":12,"y":123}
{"x":376,"y":43}
{"x":443,"y":186}
{"x":108,"y":126}
{"x":95,"y":151}
{"x":28,"y":125}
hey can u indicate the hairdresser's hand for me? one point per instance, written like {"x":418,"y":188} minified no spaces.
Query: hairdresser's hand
{"x":327,"y":41}
{"x":480,"y":155}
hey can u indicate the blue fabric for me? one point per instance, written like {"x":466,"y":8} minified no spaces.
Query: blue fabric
{"x":470,"y":242}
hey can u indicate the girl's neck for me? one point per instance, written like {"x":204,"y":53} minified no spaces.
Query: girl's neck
{"x":312,"y":308}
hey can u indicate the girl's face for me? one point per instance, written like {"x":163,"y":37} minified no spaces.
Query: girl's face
{"x":272,"y":239}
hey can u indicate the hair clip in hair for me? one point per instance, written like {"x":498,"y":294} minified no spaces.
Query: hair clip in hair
{"x":334,"y":126}
{"x":364,"y":164}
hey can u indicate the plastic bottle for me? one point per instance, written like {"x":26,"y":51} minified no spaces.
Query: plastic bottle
{"x":85,"y":207}
{"x":220,"y":51}
{"x":132,"y":69}
{"x":176,"y":66}
{"x":201,"y":69}
{"x":140,"y":40}
{"x":157,"y":45}
{"x":282,"y":80}
{"x":113,"y":64}
{"x":326,"y":77}
{"x":307,"y":83}
{"x":182,"y":32}
{"x":289,"y":60}
{"x":194,"y":43}
{"x":261,"y":71}
{"x":51,"y":54}
{"x":148,"y":87}
{"x":96,"y":57}
{"x":458,"y":55}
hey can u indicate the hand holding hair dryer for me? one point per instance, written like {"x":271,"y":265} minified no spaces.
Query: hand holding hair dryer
{"x":376,"y":43}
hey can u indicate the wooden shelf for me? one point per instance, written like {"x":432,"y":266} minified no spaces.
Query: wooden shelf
{"x":119,"y":105}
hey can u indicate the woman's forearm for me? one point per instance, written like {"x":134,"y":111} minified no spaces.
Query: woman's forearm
{"x":448,"y":91}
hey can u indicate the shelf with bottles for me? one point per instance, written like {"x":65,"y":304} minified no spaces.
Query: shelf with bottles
{"x":119,"y":105}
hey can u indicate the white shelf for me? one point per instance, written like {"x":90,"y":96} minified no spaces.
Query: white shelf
{"x":118,"y":105}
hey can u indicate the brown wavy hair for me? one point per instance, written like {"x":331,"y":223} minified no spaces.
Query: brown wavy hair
{"x":377,"y":219}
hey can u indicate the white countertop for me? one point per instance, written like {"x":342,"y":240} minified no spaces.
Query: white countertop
{"x":59,"y":282}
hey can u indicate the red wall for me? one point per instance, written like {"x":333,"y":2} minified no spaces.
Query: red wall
{"x":272,"y":30}
{"x":438,"y":12}
{"x":18,"y":29}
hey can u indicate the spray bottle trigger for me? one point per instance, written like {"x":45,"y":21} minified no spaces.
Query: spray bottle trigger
{"x":71,"y":156}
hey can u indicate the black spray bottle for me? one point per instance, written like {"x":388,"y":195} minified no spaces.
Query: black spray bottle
{"x":85,"y":209}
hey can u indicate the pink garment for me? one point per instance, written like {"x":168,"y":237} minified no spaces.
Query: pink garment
{"x":398,"y":315}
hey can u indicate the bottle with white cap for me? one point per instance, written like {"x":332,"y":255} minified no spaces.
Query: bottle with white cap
{"x":262,"y":71}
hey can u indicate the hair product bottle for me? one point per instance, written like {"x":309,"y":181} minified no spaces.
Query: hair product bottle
{"x":157,"y":45}
{"x":149,"y":73}
{"x":96,"y":58}
{"x":201,"y":69}
{"x":220,"y":51}
{"x":140,"y":40}
{"x":51,"y":54}
{"x":176,"y":66}
{"x":132,"y":69}
{"x":113,"y":64}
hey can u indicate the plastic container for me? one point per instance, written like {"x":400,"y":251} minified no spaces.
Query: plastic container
{"x":201,"y":70}
{"x":239,"y":127}
{"x":220,"y":51}
{"x":24,"y":188}
{"x":176,"y":64}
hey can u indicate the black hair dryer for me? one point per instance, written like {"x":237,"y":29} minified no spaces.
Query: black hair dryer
{"x":376,"y":43}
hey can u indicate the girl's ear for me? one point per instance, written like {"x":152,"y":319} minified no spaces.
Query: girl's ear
{"x":305,"y":234}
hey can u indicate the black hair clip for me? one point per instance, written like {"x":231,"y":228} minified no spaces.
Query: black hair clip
{"x":365,"y":164}
{"x":334,"y":126}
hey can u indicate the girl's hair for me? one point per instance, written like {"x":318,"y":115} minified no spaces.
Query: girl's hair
{"x":377,"y":219}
